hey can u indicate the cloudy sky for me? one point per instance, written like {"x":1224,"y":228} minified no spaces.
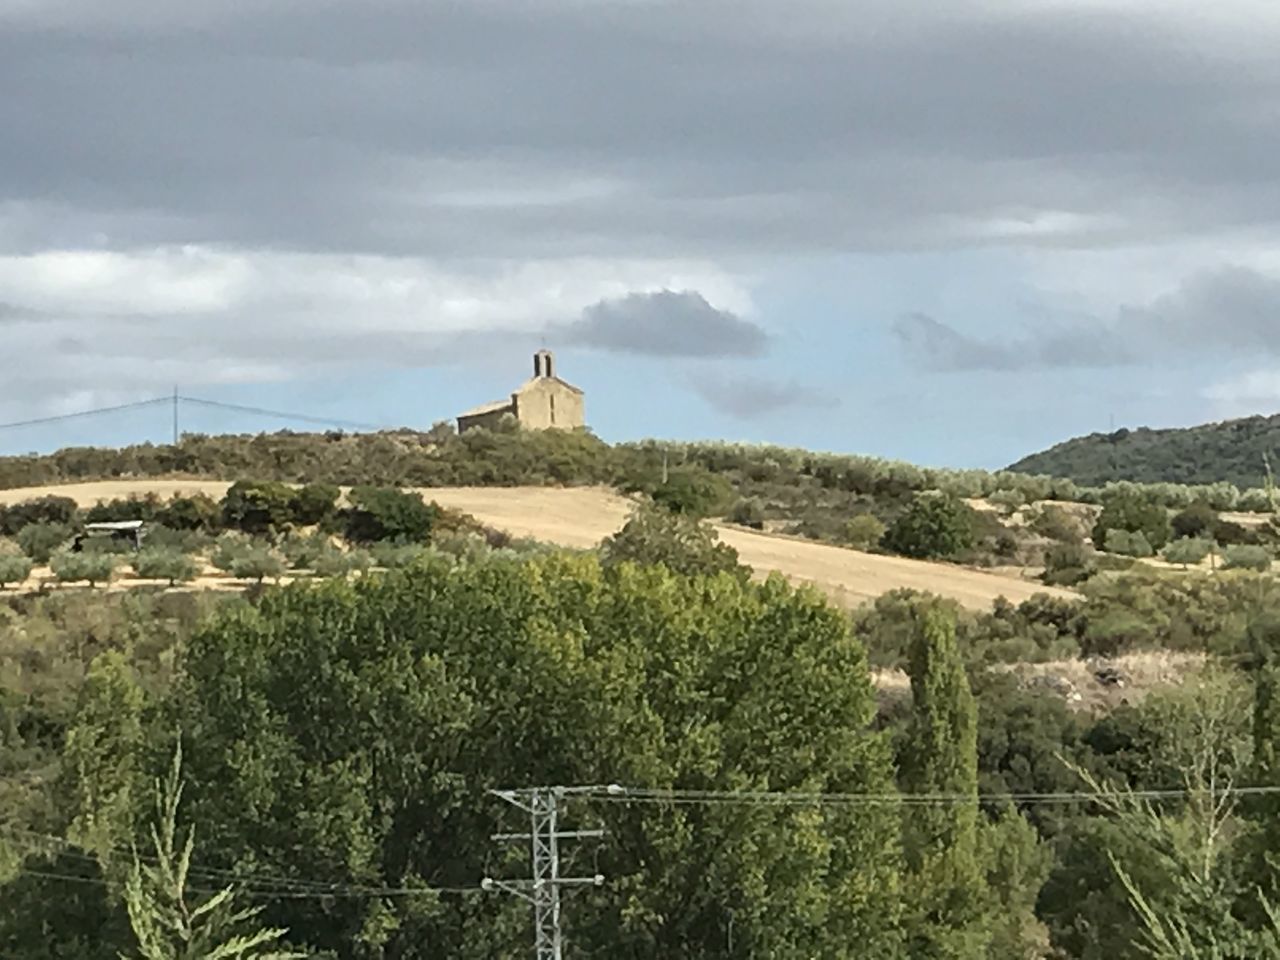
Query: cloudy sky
{"x":953,"y":237}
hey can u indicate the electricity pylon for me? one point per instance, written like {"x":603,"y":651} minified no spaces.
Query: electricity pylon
{"x":544,"y":806}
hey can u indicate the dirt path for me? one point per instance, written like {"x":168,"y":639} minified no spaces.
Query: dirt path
{"x":582,"y":516}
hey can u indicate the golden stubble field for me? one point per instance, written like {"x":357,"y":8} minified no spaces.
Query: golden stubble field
{"x":582,"y":516}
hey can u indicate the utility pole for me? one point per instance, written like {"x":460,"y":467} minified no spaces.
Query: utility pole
{"x":544,"y":806}
{"x":175,"y":414}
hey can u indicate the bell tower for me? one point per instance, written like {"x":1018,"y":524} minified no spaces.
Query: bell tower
{"x":544,"y":364}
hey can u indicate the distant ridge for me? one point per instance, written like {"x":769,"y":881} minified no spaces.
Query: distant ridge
{"x":1229,"y":450}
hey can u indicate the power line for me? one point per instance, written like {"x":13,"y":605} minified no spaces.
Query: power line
{"x":267,"y":886}
{"x":283,"y":415}
{"x":175,"y":399}
{"x":57,"y":418}
{"x":616,"y":793}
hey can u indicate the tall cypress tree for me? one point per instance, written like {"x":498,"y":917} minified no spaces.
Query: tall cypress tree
{"x":940,"y":762}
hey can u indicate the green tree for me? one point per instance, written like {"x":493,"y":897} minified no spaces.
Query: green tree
{"x":382,"y":513}
{"x":257,"y":563}
{"x":655,"y":535}
{"x":1133,"y":513}
{"x":1197,"y":520}
{"x":57,"y":511}
{"x":315,"y":502}
{"x":102,"y":757}
{"x":1245,"y":557}
{"x":933,"y":526}
{"x":40,"y":540}
{"x":426,"y":688}
{"x":748,"y":512}
{"x":170,"y":923}
{"x":196,"y":512}
{"x":1127,"y":543}
{"x":14,"y":568}
{"x":258,"y":506}
{"x":692,"y":491}
{"x":1067,"y":564}
{"x":940,"y":758}
{"x":156,"y":563}
{"x":1188,"y":550}
{"x":94,"y":568}
{"x":864,"y":531}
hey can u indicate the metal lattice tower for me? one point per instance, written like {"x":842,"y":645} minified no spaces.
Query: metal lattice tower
{"x":544,"y":806}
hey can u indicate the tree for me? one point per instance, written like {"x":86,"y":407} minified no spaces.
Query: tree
{"x":1245,"y":557}
{"x":95,"y":568}
{"x":425,"y":688}
{"x":40,"y":540}
{"x":1197,"y":520}
{"x":748,"y":512}
{"x":864,"y":531}
{"x":1133,"y":513}
{"x":655,"y":535}
{"x":1188,"y":550}
{"x":196,"y":512}
{"x":257,"y":506}
{"x":168,"y":923}
{"x":155,"y":563}
{"x":384,"y":513}
{"x":1128,"y":543}
{"x":102,"y":757}
{"x":692,"y":491}
{"x":14,"y":568}
{"x":1067,"y":564}
{"x":315,"y":503}
{"x":59,"y":511}
{"x":940,"y":757}
{"x":256,"y":563}
{"x":933,"y":526}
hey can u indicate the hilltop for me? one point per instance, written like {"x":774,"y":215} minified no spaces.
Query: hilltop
{"x":1229,"y":450}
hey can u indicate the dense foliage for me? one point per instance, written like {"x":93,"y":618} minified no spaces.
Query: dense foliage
{"x":1230,"y":451}
{"x":342,"y":736}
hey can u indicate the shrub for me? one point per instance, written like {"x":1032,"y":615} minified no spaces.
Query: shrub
{"x":183,"y":541}
{"x":333,"y":562}
{"x":48,"y":510}
{"x":1007,"y":500}
{"x":1187,"y":550}
{"x":748,"y":512}
{"x":157,"y":563}
{"x":1228,"y":532}
{"x":1196,"y":521}
{"x":395,"y":556}
{"x":124,"y":508}
{"x":14,"y":568}
{"x":1133,"y":513}
{"x":256,"y":563}
{"x":315,"y":503}
{"x":1057,"y":524}
{"x":257,"y":506}
{"x":303,"y":552}
{"x":196,"y":512}
{"x":683,"y":545}
{"x":1128,"y":543}
{"x":385,"y":513}
{"x":933,"y":526}
{"x":864,"y":531}
{"x":40,"y":540}
{"x":71,"y":567}
{"x":693,"y":491}
{"x":229,"y":547}
{"x":1067,"y":564}
{"x":1246,"y":557}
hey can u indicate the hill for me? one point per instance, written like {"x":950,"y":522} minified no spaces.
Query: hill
{"x":1230,"y":451}
{"x":580,"y":517}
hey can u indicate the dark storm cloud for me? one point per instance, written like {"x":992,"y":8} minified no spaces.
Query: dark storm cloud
{"x":751,"y":397}
{"x":1231,"y":312}
{"x":709,"y":127}
{"x":665,"y":324}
